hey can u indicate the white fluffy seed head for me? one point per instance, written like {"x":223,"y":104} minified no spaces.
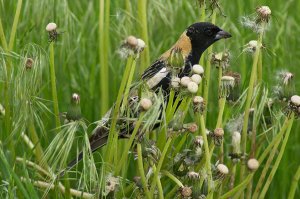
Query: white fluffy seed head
{"x":295,"y":99}
{"x":51,"y":27}
{"x":264,"y":11}
{"x":227,"y":78}
{"x":198,"y":140}
{"x":184,"y":81}
{"x":140,"y":44}
{"x":192,"y":87}
{"x":223,"y":169}
{"x":253,"y":164}
{"x":196,"y":78}
{"x":198,"y":69}
{"x":236,"y":138}
{"x":146,"y":104}
{"x":75,"y":98}
{"x":198,"y":100}
{"x":175,"y":82}
{"x":219,"y":132}
{"x":193,"y":175}
{"x":132,"y":41}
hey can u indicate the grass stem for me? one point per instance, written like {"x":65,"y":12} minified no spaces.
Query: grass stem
{"x":294,"y":184}
{"x":141,"y":171}
{"x":278,"y":160}
{"x":53,"y":86}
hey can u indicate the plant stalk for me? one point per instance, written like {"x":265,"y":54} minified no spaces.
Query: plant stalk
{"x":53,"y":86}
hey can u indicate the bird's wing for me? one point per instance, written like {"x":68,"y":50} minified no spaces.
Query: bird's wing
{"x":153,"y":69}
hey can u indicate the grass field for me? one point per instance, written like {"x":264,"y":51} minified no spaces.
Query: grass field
{"x":86,"y":61}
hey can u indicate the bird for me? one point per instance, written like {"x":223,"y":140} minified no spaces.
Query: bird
{"x":191,"y":44}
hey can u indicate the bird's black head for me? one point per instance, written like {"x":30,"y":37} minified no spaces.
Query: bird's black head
{"x":204,"y":34}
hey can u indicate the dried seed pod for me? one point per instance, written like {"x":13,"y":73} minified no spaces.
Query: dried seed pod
{"x":198,"y":69}
{"x":221,"y":172}
{"x":198,"y":104}
{"x":264,"y":13}
{"x":145,"y":104}
{"x":252,"y":164}
{"x":175,"y":82}
{"x":184,"y":81}
{"x":192,"y":175}
{"x":29,"y":63}
{"x":51,"y":27}
{"x":185,"y":192}
{"x":196,"y":78}
{"x":192,"y":87}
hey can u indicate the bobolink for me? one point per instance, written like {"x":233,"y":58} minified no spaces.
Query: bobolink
{"x":191,"y":44}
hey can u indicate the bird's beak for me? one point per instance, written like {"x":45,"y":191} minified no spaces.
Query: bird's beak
{"x":222,"y":35}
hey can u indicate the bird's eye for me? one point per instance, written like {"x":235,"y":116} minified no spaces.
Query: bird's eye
{"x":208,"y":32}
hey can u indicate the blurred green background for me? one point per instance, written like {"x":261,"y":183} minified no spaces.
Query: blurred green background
{"x":77,"y":50}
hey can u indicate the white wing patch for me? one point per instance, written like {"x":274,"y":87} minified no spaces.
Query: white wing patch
{"x":153,"y":81}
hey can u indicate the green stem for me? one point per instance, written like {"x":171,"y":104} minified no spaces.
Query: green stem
{"x":159,"y":186}
{"x":15,"y":25}
{"x":142,"y":17}
{"x":2,"y":37}
{"x":53,"y":86}
{"x":259,"y":69}
{"x":103,"y":53}
{"x":222,"y":102}
{"x":294,"y":184}
{"x":141,"y":171}
{"x":113,"y":135}
{"x":36,"y":141}
{"x":248,"y":102}
{"x":269,"y":161}
{"x":238,"y":188}
{"x":206,"y":151}
{"x":159,"y":165}
{"x":275,"y":167}
{"x":207,"y":69}
{"x":172,"y":177}
{"x":128,"y":145}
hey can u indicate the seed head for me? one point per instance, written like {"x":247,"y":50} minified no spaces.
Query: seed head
{"x":196,"y":78}
{"x":185,"y":192}
{"x":132,"y":41}
{"x":75,"y":98}
{"x":145,"y":104}
{"x":175,"y":82}
{"x":295,"y":100}
{"x":198,"y":141}
{"x":198,"y":104}
{"x":140,"y":45}
{"x":223,"y":169}
{"x":236,"y":141}
{"x":287,"y":77}
{"x":221,"y":59}
{"x":176,"y":59}
{"x":29,"y":63}
{"x":252,"y":164}
{"x":192,"y":87}
{"x":192,"y":127}
{"x":198,"y":69}
{"x":227,"y":84}
{"x":51,"y":27}
{"x":252,"y":45}
{"x":264,"y":13}
{"x":193,"y":175}
{"x":184,"y":81}
{"x":219,"y":132}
